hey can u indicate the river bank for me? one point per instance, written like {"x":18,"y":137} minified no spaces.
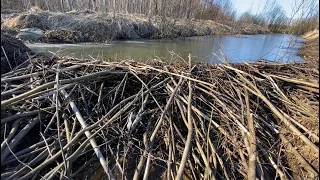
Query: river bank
{"x":76,"y":27}
{"x":310,"y":50}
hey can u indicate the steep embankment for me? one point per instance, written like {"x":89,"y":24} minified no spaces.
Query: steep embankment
{"x":74,"y":27}
{"x":310,"y":50}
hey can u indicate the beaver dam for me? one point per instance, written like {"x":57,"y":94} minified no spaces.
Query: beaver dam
{"x":68,"y":118}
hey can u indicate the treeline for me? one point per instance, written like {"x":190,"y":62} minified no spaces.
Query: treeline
{"x":304,"y":17}
{"x":202,"y":9}
{"x":305,"y":13}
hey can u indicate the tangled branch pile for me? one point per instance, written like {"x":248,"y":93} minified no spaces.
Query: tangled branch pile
{"x":13,"y":53}
{"x":63,"y":117}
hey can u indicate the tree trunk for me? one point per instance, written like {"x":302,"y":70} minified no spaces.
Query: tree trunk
{"x":114,"y":8}
{"x":150,"y":8}
{"x":94,"y":5}
{"x":61,"y":4}
{"x":126,"y":7}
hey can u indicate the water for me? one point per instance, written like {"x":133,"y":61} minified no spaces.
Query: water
{"x":249,"y":48}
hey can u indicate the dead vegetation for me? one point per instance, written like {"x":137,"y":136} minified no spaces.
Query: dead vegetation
{"x":61,"y":117}
{"x":62,"y":36}
{"x":310,"y":50}
{"x":99,"y":27}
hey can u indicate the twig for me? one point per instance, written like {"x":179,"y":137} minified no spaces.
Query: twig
{"x":11,"y":134}
{"x":18,"y":137}
{"x":4,"y":52}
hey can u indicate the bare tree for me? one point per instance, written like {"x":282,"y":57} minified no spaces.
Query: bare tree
{"x":304,"y":12}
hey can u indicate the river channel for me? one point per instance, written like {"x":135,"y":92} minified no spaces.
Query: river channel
{"x":212,"y":49}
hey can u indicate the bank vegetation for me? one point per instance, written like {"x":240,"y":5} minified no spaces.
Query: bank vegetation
{"x":69,"y":118}
{"x":73,"y":21}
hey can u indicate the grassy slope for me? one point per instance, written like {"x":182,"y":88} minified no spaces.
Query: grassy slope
{"x":310,"y":50}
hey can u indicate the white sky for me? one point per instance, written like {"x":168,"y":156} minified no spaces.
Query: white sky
{"x":257,"y":5}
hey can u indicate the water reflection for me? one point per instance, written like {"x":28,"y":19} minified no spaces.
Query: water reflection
{"x":275,"y":47}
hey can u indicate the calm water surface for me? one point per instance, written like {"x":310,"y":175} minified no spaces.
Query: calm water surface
{"x":249,"y":48}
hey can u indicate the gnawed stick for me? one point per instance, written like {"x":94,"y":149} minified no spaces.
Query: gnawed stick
{"x":252,"y":140}
{"x":190,"y":132}
{"x":88,"y":134}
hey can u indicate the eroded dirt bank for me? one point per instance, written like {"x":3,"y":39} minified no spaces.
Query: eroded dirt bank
{"x":75,"y":27}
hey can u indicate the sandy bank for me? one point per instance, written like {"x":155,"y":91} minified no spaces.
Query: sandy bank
{"x":310,"y":50}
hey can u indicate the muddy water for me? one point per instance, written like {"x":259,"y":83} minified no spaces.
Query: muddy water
{"x":249,"y":48}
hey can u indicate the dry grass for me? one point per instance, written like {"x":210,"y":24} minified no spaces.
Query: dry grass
{"x":310,"y":50}
{"x":97,"y":27}
{"x":311,"y":35}
{"x":62,"y":36}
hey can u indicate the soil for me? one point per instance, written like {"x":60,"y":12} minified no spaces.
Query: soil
{"x":98,"y":27}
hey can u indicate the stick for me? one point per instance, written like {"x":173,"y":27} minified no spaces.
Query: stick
{"x":11,"y":134}
{"x":88,"y":134}
{"x":190,"y":132}
{"x":258,"y":93}
{"x":156,"y":129}
{"x":4,"y":52}
{"x":252,"y":140}
{"x":58,"y":119}
{"x":25,"y":114}
{"x":18,"y":137}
